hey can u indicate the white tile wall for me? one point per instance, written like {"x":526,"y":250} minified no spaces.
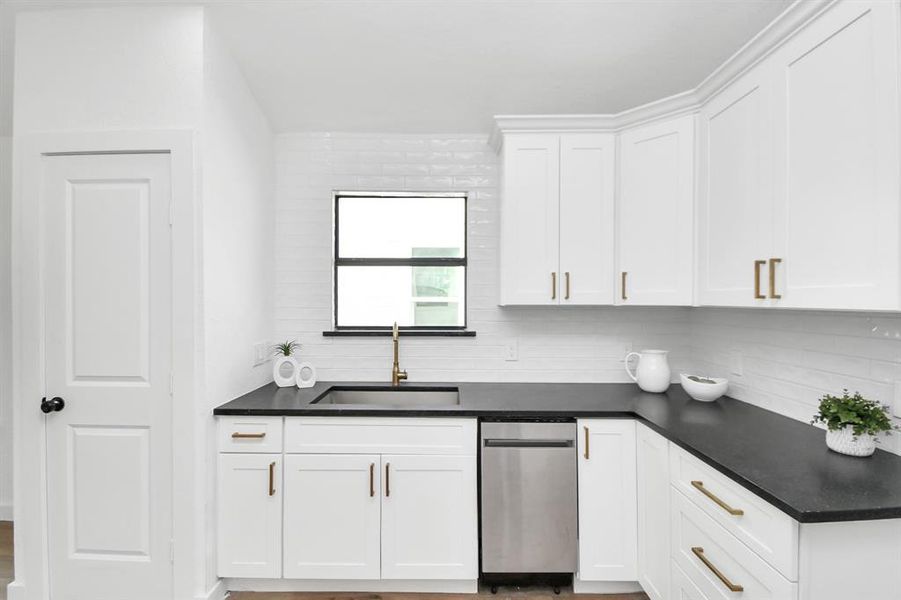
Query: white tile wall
{"x":554,"y":344}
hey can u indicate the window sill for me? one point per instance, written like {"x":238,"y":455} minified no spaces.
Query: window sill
{"x":403,"y":333}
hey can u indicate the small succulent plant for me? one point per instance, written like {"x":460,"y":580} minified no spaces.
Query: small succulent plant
{"x":286,"y":348}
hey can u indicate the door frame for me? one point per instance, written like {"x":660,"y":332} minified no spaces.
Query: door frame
{"x":29,"y":432}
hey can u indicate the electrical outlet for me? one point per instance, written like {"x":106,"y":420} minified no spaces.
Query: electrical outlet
{"x":897,"y":403}
{"x":511,"y":350}
{"x":735,"y":363}
{"x":260,"y":353}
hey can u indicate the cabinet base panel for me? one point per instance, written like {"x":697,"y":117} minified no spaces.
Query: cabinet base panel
{"x":605,"y":587}
{"x":461,"y":586}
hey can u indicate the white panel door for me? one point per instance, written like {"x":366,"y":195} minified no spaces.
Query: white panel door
{"x":587,"y":185}
{"x":250,"y":515}
{"x":735,"y":212}
{"x":653,"y":513}
{"x":607,"y":500}
{"x":429,"y":517}
{"x":331,"y":517}
{"x":655,"y":214}
{"x":530,"y":219}
{"x":108,"y":355}
{"x":837,"y":171}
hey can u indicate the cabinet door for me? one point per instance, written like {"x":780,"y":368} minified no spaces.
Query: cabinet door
{"x":655,"y":214}
{"x":530,"y":219}
{"x":837,"y":155}
{"x":735,"y":217}
{"x":331,"y":521}
{"x":607,"y":500}
{"x":653,"y":513}
{"x":587,"y":175}
{"x":429,"y":517}
{"x":250,"y":515}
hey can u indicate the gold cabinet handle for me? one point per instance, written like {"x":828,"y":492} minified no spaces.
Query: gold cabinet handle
{"x":387,"y":479}
{"x":757,"y":265}
{"x":699,"y":552}
{"x":566,"y":297}
{"x":371,"y":480}
{"x":553,"y":286}
{"x":735,"y":512}
{"x":773,"y":263}
{"x":623,"y":286}
{"x":272,"y":479}
{"x":248,"y":436}
{"x":587,"y":452}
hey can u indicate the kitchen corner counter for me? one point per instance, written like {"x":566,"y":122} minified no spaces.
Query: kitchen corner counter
{"x":783,"y":461}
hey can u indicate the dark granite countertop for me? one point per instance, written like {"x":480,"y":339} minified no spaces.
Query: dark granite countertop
{"x":783,"y":461}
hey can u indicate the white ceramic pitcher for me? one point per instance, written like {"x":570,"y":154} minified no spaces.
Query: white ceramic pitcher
{"x":652,"y":374}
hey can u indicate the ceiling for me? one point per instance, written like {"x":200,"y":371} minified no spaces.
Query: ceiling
{"x":447,"y":66}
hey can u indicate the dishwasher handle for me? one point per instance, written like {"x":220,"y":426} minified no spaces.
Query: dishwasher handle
{"x":504,"y":443}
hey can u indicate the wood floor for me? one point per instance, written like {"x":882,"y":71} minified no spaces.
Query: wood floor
{"x":537,"y":593}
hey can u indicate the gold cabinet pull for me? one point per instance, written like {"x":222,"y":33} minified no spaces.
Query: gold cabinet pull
{"x":371,"y":480}
{"x":735,"y":512}
{"x":622,"y":286}
{"x":566,"y":297}
{"x":757,"y":265}
{"x":699,"y":552}
{"x":553,"y":286}
{"x":272,"y":479}
{"x":773,"y":263}
{"x":248,"y":436}
{"x":387,"y":479}
{"x":587,"y":434}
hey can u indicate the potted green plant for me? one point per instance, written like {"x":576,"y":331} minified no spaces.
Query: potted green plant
{"x":284,"y":368}
{"x":853,"y":423}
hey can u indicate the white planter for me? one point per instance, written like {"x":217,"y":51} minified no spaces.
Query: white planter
{"x":284,"y":371}
{"x":844,"y":442}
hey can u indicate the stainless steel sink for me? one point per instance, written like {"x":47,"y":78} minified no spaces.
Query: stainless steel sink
{"x":392,"y":397}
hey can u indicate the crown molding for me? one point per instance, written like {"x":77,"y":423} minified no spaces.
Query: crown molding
{"x":784,"y":26}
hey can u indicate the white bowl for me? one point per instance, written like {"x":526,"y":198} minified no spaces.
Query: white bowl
{"x":704,"y":392}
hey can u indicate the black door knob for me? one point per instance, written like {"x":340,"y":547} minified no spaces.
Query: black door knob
{"x":52,"y":405}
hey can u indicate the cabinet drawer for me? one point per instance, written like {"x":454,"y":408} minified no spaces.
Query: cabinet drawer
{"x":378,"y":435}
{"x":714,"y":559}
{"x":765,"y":529}
{"x":682,"y":587}
{"x":250,"y":434}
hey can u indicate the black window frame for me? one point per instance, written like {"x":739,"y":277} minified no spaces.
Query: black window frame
{"x":337,"y":261}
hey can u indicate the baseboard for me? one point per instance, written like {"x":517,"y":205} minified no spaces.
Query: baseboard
{"x":217,"y":592}
{"x":465,"y":586}
{"x":15,"y":591}
{"x":605,"y":587}
{"x":6,"y":512}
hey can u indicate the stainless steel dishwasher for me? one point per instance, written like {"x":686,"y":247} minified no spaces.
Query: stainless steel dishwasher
{"x":529,"y":510}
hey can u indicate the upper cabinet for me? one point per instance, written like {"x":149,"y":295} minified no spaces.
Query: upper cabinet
{"x":655,"y":214}
{"x":799,"y":203}
{"x":557,"y":219}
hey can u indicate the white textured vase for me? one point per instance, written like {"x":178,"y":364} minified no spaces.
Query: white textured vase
{"x":843,"y":441}
{"x":653,"y":373}
{"x":289,"y":377}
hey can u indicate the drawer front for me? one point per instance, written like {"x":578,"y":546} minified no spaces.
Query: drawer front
{"x":681,"y":587}
{"x":250,"y":434}
{"x":718,"y":564}
{"x":765,"y":529}
{"x":377,"y":435}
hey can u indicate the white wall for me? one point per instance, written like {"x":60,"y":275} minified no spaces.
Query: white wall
{"x":6,"y":449}
{"x":238,"y":173}
{"x":555,"y":344}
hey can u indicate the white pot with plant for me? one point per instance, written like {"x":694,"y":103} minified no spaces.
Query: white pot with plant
{"x":284,"y":368}
{"x":853,"y":423}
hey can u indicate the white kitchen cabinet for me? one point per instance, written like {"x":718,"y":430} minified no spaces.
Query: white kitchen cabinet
{"x":608,"y":534}
{"x":429,"y":516}
{"x":332,"y":517}
{"x":250,"y":515}
{"x":836,"y":169}
{"x":652,"y":456}
{"x":557,"y":219}
{"x":735,"y":209}
{"x":655,"y":214}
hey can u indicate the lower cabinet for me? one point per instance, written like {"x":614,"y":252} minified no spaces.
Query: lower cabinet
{"x":653,"y":513}
{"x":608,"y":535}
{"x":250,"y":515}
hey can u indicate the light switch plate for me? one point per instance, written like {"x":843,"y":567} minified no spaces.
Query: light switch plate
{"x":260,"y":353}
{"x":511,"y":350}
{"x":897,"y":402}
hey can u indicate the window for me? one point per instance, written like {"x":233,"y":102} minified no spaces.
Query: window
{"x":400,"y":257}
